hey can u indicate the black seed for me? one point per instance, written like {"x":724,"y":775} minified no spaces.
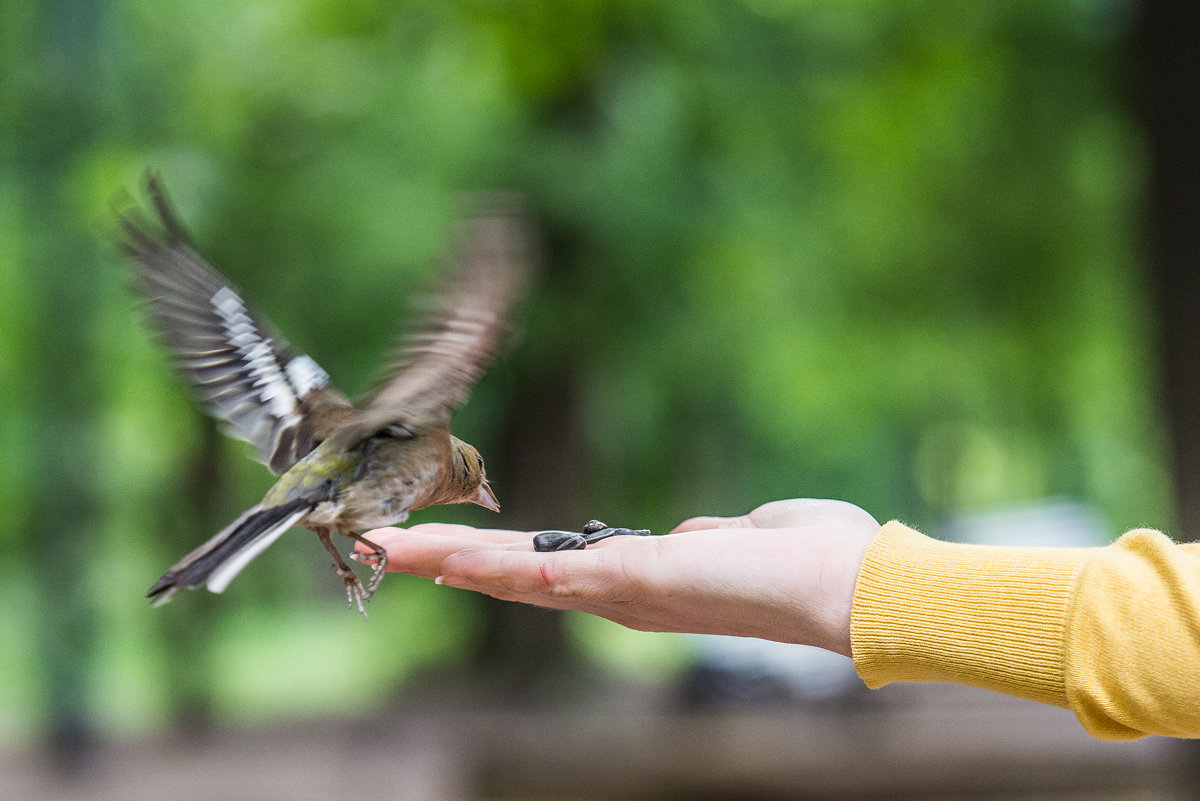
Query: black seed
{"x":558,"y":541}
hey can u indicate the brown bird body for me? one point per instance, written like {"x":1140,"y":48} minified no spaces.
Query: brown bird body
{"x":342,"y":468}
{"x":409,"y":474}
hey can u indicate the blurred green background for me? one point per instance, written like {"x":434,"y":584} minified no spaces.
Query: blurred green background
{"x":887,"y":253}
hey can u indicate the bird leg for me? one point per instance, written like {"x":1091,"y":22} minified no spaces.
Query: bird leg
{"x":356,"y":593}
{"x":377,"y":559}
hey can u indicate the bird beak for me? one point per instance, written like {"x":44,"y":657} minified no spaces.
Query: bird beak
{"x":486,"y":498}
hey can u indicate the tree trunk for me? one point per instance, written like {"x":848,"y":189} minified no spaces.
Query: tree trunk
{"x":1168,"y":97}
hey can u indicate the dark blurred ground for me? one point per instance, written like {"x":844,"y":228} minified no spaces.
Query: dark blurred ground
{"x":630,"y":742}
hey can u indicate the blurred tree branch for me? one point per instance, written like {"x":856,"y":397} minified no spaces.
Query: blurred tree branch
{"x":61,"y":120}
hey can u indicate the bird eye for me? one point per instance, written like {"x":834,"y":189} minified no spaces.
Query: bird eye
{"x":479,"y":459}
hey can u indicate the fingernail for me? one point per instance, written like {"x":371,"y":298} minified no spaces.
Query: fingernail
{"x":440,"y":580}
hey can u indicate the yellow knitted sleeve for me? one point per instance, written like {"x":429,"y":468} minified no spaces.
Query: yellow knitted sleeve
{"x":1112,"y":633}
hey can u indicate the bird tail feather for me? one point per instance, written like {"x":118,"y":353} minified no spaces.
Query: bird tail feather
{"x":225,"y":554}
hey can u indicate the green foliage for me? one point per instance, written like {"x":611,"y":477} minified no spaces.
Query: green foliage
{"x":885,"y":253}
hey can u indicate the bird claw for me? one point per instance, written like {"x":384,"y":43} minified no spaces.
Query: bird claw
{"x":378,"y":569}
{"x":356,"y":593}
{"x":377,"y":560}
{"x":593,"y":532}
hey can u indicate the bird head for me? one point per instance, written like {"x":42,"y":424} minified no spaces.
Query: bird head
{"x":470,"y":478}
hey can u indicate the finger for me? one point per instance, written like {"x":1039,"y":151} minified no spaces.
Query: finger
{"x":466,"y":533}
{"x":420,"y":552}
{"x":504,"y":594}
{"x":538,"y":577}
{"x":707,"y":523}
{"x":472,"y":533}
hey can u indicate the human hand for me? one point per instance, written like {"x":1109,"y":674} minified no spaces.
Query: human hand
{"x":785,"y":571}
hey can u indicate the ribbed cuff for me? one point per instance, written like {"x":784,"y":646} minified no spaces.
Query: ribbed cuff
{"x":986,"y":616}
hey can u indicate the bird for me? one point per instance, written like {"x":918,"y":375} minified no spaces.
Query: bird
{"x":342,"y":467}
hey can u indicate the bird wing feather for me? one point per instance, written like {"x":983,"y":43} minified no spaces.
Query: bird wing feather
{"x":244,"y":372}
{"x":459,"y":327}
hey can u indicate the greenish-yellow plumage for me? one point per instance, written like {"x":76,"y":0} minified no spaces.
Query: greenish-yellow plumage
{"x":342,"y":468}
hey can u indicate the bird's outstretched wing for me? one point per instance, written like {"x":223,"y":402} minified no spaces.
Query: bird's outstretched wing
{"x":244,"y":372}
{"x":459,"y":328}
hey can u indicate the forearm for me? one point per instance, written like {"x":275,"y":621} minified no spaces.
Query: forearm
{"x":926,"y":610}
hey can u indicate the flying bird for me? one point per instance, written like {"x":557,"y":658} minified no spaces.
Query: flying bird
{"x":342,"y":467}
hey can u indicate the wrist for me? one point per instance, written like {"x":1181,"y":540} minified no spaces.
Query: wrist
{"x":815,"y":584}
{"x":839,"y":579}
